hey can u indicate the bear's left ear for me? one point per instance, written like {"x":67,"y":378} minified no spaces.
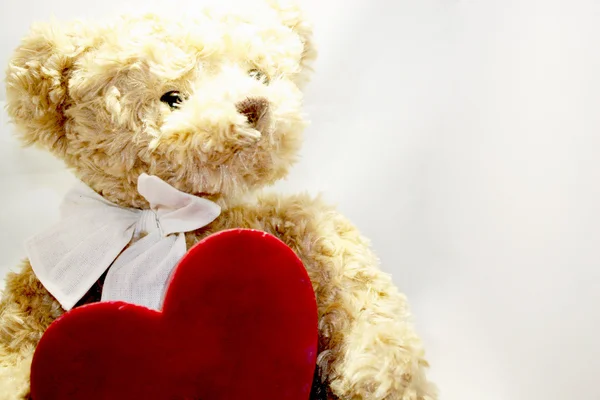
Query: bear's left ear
{"x":292,"y":16}
{"x":37,"y":81}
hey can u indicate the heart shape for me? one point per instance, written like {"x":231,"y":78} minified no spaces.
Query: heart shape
{"x":239,"y":321}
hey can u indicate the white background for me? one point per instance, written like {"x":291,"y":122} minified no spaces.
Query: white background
{"x":462,"y":137}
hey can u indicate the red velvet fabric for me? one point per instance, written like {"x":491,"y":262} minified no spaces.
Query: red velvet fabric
{"x":239,"y":321}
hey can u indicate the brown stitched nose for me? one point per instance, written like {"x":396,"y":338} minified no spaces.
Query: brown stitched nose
{"x":254,"y":108}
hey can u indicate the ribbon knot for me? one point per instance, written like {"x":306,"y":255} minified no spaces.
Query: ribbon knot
{"x":148,"y":222}
{"x":139,"y":248}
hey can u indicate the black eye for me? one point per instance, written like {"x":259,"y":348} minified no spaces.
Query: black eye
{"x":172,"y":98}
{"x":259,"y":76}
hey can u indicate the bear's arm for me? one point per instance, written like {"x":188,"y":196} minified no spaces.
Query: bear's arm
{"x":26,"y":310}
{"x":368,"y":347}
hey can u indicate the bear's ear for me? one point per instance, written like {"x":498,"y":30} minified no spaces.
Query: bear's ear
{"x":37,"y":81}
{"x":292,"y":16}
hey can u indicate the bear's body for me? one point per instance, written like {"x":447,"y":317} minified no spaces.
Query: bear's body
{"x":212,"y":106}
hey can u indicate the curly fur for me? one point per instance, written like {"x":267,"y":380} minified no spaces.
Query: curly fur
{"x":90,"y":94}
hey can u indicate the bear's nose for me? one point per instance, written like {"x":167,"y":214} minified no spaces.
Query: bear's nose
{"x":254,"y":108}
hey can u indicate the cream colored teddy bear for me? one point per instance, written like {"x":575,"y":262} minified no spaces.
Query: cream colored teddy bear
{"x":211,"y":104}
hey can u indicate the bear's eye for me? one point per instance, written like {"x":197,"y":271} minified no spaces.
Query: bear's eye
{"x":172,"y":98}
{"x":259,"y":76}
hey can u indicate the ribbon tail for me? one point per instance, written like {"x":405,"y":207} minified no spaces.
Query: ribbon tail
{"x":69,"y":262}
{"x":141,"y":274}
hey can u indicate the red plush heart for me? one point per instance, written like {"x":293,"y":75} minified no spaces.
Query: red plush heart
{"x":239,"y":321}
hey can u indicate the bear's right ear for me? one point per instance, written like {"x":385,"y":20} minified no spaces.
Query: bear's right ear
{"x":37,"y":81}
{"x":293,"y":17}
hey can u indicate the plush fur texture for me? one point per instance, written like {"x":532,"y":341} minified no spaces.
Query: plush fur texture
{"x":90,"y":94}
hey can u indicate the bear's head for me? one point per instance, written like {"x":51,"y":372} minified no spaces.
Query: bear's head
{"x":209,"y":102}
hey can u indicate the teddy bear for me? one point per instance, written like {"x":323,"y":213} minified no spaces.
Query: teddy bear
{"x":211,"y":103}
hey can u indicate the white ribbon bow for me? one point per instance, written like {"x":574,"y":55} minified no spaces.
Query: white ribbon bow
{"x":92,"y":233}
